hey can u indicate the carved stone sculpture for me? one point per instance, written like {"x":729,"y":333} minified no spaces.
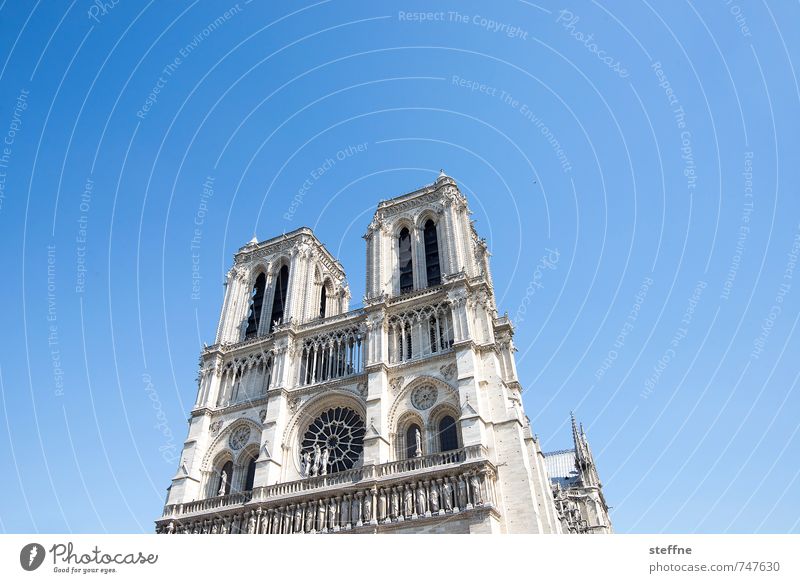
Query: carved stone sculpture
{"x":310,"y":517}
{"x":395,"y":504}
{"x":323,"y":466}
{"x":223,"y":479}
{"x":409,"y":501}
{"x":434,"y":498}
{"x":321,"y":515}
{"x":447,"y":496}
{"x":251,"y":524}
{"x":317,"y":461}
{"x":331,"y":512}
{"x":417,"y":442}
{"x":298,"y":518}
{"x":462,"y":493}
{"x":305,"y":464}
{"x":421,"y":506}
{"x":368,"y":507}
{"x":345,"y":511}
{"x":477,"y":494}
{"x":382,"y":505}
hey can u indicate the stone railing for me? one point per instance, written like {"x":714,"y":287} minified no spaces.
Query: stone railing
{"x":434,"y":468}
{"x":416,"y":464}
{"x":264,"y":493}
{"x":356,"y":315}
{"x":381,"y":505}
{"x":208,"y":504}
{"x":416,"y":294}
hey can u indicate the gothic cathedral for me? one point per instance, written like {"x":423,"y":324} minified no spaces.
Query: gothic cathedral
{"x":404,"y":415}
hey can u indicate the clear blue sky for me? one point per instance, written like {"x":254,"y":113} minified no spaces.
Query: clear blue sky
{"x":648,"y":151}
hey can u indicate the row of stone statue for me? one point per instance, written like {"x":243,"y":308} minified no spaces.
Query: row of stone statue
{"x":377,"y":505}
{"x":315,"y":464}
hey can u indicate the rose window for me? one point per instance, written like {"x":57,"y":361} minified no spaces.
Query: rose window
{"x":340,"y":431}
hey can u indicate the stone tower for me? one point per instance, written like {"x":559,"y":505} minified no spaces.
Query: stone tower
{"x":577,"y":490}
{"x":402,"y":416}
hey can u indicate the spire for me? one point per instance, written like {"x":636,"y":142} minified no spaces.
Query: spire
{"x":576,"y":438}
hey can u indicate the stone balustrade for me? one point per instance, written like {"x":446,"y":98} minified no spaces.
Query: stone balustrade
{"x":264,"y":493}
{"x":209,"y":504}
{"x":451,"y":493}
{"x":443,"y":484}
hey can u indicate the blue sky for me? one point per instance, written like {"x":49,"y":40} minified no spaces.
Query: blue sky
{"x":632,"y":167}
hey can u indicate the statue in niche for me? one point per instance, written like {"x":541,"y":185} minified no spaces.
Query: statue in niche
{"x":223,"y":480}
{"x":171,"y":528}
{"x":447,"y":496}
{"x":356,"y":509}
{"x":260,"y":526}
{"x":323,"y":467}
{"x":418,"y":442}
{"x":298,"y":518}
{"x":475,"y":484}
{"x":434,"y":498}
{"x":421,"y":506}
{"x":310,"y":512}
{"x":345,"y":512}
{"x":395,"y":504}
{"x":382,"y":505}
{"x":276,"y":522}
{"x":368,"y":507}
{"x":462,"y":493}
{"x":305,"y":464}
{"x":251,"y":524}
{"x":331,"y":513}
{"x":321,"y":515}
{"x":223,"y":529}
{"x":409,"y":501}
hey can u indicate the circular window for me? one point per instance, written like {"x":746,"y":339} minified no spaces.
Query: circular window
{"x":424,"y":397}
{"x":340,"y":431}
{"x":239,"y":437}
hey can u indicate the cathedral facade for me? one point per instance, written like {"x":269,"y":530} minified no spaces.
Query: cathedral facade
{"x":404,"y":415}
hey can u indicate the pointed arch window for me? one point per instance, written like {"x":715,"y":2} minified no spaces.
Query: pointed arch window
{"x":279,"y":300}
{"x":323,"y":299}
{"x":256,"y":301}
{"x":405,"y":261}
{"x":250,"y":476}
{"x":432,"y":269}
{"x":448,"y":434}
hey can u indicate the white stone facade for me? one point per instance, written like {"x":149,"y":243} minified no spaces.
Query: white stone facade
{"x":402,"y":416}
